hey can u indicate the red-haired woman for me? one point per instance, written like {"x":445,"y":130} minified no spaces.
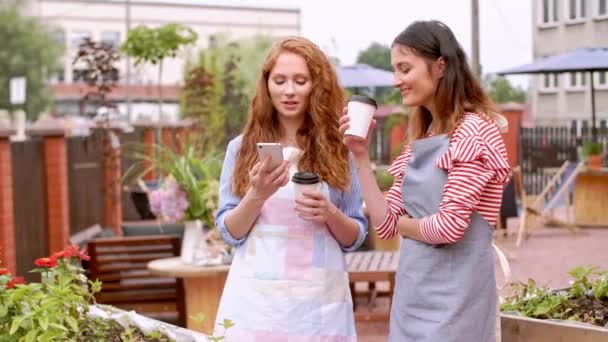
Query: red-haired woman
{"x":288,"y":280}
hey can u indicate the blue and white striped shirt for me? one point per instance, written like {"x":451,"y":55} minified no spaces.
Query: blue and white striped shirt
{"x":350,"y":203}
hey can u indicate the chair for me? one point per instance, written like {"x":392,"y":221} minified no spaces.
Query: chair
{"x":120,"y":263}
{"x":539,"y":211}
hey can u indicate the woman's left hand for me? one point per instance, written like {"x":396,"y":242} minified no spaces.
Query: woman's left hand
{"x":313,"y":206}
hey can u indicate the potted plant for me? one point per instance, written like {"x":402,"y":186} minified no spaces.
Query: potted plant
{"x":580,"y":312}
{"x":593,"y":153}
{"x":188,"y":193}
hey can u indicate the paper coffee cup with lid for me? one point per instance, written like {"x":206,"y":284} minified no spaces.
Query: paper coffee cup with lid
{"x":303,"y":181}
{"x":361,"y":110}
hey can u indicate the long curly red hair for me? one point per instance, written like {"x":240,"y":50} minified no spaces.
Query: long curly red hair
{"x":319,"y":136}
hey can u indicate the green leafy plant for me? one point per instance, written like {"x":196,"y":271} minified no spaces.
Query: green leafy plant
{"x":591,"y":148}
{"x":56,"y":309}
{"x":585,"y":301}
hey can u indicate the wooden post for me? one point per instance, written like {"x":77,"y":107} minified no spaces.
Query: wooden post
{"x":112,"y":203}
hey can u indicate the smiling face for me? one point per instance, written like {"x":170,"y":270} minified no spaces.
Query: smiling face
{"x":289,"y":85}
{"x":414,"y":77}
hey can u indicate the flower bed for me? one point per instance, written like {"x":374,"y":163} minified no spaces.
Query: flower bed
{"x":62,"y":308}
{"x":539,"y":314}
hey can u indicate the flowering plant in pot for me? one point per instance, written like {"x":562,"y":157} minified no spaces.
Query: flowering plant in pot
{"x":188,"y":193}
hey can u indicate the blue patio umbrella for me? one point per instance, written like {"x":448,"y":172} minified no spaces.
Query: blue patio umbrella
{"x":579,"y":60}
{"x":363,"y":76}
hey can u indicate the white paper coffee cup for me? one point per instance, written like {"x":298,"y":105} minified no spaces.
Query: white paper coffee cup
{"x":361,"y":110}
{"x":305,"y":181}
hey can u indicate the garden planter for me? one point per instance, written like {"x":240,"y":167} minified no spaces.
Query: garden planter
{"x":516,"y":328}
{"x":146,"y":325}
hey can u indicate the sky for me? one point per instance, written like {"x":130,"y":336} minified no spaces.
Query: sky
{"x":343,"y":28}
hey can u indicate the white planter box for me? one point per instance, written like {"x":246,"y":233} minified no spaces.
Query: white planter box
{"x":145,"y":324}
{"x":524,"y":329}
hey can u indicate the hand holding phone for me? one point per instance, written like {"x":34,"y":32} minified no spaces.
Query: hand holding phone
{"x":274,"y":150}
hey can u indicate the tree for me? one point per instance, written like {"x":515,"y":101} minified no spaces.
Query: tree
{"x":29,"y":50}
{"x":97,"y":61}
{"x":500,"y":90}
{"x":379,"y":56}
{"x":153,"y":45}
{"x":376,"y":55}
{"x":218,"y":87}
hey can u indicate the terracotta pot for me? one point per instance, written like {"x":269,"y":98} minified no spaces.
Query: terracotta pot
{"x":595,"y":162}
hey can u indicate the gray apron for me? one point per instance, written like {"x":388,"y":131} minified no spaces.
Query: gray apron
{"x":443,"y":293}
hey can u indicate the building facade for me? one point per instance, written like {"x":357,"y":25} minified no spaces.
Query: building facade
{"x":106,"y":20}
{"x":560,"y":26}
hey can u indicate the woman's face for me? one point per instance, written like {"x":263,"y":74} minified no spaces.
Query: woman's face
{"x":413,"y":77}
{"x":289,"y":85}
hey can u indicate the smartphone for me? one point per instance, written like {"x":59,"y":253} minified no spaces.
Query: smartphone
{"x":274,"y":150}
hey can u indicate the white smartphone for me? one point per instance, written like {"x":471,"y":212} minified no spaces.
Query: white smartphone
{"x":274,"y":150}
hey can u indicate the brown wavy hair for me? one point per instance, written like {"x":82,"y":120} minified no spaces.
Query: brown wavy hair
{"x":319,"y":136}
{"x":458,"y":91}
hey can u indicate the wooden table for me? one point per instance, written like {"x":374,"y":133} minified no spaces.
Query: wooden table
{"x":203,"y":286}
{"x":590,"y":198}
{"x":370,"y":267}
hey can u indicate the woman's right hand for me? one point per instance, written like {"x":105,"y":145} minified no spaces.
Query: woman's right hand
{"x":265,"y":181}
{"x":358,"y":146}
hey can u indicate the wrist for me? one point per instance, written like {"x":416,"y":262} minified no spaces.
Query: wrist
{"x":254,"y":198}
{"x":361,"y":160}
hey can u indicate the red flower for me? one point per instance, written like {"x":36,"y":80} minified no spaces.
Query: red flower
{"x":15,"y":281}
{"x":57,"y":255}
{"x":4,"y":271}
{"x":46,"y":262}
{"x":72,"y":252}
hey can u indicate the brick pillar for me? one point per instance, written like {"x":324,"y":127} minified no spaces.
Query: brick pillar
{"x":167,"y":136}
{"x":180,"y":138}
{"x":513,"y":112}
{"x":182,"y":131}
{"x":56,"y":173}
{"x":7,"y":221}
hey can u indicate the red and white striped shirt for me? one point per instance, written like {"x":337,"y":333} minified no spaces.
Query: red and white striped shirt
{"x":477,"y":167}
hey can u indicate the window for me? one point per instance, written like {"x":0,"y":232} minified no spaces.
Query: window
{"x":550,"y":81}
{"x":110,"y":37}
{"x":577,"y":10}
{"x":602,"y":8}
{"x":577,"y":80}
{"x":78,"y":75}
{"x":58,"y":77}
{"x":549,"y":13}
{"x":78,"y":38}
{"x":601,"y":79}
{"x":58,"y":36}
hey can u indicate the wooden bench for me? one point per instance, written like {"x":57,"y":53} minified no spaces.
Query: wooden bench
{"x":371,"y":267}
{"x":121,"y":265}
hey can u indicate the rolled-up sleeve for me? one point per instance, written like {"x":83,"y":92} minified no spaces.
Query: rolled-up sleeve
{"x":352,"y":206}
{"x":227,"y":199}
